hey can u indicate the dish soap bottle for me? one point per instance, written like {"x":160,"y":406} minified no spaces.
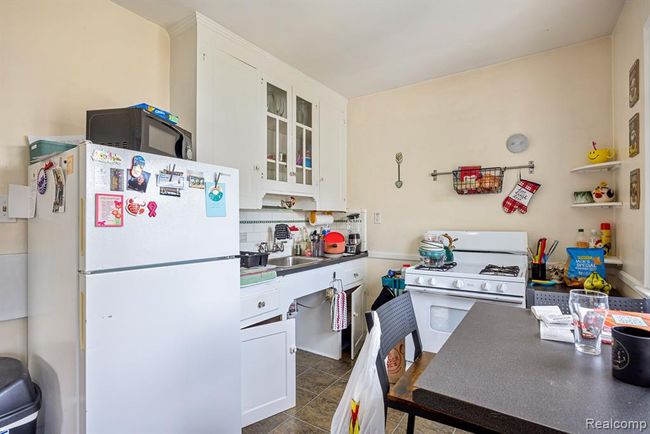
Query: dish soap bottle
{"x":581,"y":241}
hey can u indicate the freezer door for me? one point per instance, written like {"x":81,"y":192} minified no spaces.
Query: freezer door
{"x":162,"y":350}
{"x":177,"y":230}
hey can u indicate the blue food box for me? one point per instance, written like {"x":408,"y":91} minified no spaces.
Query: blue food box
{"x":158,"y":112}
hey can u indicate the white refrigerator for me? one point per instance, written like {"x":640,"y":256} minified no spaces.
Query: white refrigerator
{"x":133,"y":294}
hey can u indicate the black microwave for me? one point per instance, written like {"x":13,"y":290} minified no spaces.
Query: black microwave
{"x":138,"y":130}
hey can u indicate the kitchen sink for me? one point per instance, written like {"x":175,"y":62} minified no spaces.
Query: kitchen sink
{"x":293,"y":261}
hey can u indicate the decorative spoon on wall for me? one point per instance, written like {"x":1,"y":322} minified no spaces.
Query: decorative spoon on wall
{"x":398,"y":159}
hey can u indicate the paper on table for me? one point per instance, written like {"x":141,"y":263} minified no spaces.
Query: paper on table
{"x":540,"y":311}
{"x":555,"y":333}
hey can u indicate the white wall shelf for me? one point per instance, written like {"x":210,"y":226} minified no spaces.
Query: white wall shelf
{"x":602,"y":167}
{"x":598,"y":205}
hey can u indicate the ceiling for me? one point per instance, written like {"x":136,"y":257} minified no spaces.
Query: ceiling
{"x":359,"y":47}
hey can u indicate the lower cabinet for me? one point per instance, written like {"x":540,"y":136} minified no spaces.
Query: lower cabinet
{"x":314,"y":332}
{"x":268,"y":368}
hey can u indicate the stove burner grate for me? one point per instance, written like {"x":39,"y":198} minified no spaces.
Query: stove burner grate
{"x":499,"y":270}
{"x":445,"y":267}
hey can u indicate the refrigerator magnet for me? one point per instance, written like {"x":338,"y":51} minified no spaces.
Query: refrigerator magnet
{"x":41,"y":181}
{"x":109,"y":210}
{"x":170,"y":191}
{"x":59,"y":190}
{"x":152,"y":207}
{"x":136,"y":206}
{"x":195,"y":179}
{"x":138,"y":178}
{"x":215,"y":199}
{"x":103,"y":156}
{"x":117,"y":179}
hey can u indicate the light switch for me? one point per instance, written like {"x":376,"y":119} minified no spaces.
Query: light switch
{"x":377,"y":218}
{"x":4,"y":215}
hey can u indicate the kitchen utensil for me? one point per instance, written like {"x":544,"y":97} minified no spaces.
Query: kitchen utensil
{"x":398,"y":159}
{"x":334,"y":243}
{"x":631,"y":355}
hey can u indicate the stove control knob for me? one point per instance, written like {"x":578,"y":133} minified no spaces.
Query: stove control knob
{"x":459,"y":284}
{"x":501,"y":287}
{"x":420,"y":280}
{"x":485,"y":286}
{"x":432,"y":281}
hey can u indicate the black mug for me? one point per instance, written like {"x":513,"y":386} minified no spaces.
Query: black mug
{"x":631,"y":355}
{"x":538,"y":271}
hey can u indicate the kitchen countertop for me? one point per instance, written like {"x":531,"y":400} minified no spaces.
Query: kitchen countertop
{"x":495,"y":372}
{"x":325,"y":262}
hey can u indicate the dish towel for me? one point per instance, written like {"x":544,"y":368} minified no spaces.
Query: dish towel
{"x":339,"y":311}
{"x":281,"y":232}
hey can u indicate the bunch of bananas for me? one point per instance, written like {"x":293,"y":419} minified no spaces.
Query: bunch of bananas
{"x":597,"y":283}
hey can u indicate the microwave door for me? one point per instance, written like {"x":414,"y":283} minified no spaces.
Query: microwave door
{"x":161,"y":139}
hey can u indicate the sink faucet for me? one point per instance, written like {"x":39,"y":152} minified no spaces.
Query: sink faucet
{"x":263,"y":247}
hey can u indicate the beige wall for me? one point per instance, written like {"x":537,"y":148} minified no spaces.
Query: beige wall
{"x":57,"y":59}
{"x":560,"y":99}
{"x":627,"y":46}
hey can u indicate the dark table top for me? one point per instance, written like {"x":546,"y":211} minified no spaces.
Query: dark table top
{"x":496,"y":372}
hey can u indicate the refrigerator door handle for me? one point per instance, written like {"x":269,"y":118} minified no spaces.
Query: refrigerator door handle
{"x":82,"y":228}
{"x":82,"y":321}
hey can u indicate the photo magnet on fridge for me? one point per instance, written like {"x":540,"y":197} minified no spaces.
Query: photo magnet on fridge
{"x":195,"y":179}
{"x":138,"y":178}
{"x":169,"y":191}
{"x":109,"y":210}
{"x":215,"y":199}
{"x":117,"y":179}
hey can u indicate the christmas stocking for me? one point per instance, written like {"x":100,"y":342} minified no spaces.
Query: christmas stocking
{"x":520,"y":196}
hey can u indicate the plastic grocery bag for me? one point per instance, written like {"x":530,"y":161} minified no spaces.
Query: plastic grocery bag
{"x":361,"y":409}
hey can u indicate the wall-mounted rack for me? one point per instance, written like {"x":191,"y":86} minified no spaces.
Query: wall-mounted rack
{"x":530,"y":166}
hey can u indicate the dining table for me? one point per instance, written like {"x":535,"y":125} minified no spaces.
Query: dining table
{"x":495,"y":374}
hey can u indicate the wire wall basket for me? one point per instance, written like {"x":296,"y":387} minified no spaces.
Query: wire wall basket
{"x":478,"y":180}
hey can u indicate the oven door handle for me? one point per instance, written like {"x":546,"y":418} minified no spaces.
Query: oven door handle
{"x":473,"y":296}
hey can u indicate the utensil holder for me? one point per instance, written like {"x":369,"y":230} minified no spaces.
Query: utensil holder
{"x":538,"y":271}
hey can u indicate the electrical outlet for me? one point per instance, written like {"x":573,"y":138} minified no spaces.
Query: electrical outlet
{"x":4,"y":216}
{"x":377,"y":218}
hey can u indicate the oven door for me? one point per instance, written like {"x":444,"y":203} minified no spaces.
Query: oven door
{"x":437,"y":316}
{"x":162,"y":138}
{"x":438,"y":312}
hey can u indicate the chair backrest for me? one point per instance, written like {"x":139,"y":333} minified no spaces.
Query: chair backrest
{"x":397,"y":320}
{"x":561,"y":299}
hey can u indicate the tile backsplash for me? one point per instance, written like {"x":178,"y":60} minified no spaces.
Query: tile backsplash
{"x":256,"y":226}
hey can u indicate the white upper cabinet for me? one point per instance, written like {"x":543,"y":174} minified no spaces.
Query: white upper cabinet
{"x":248,"y":110}
{"x":333,"y":158}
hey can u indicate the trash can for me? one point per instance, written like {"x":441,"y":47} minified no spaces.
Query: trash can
{"x":20,"y":399}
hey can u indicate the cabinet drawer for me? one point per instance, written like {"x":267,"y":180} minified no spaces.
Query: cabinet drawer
{"x":353,"y":275}
{"x":259,"y":302}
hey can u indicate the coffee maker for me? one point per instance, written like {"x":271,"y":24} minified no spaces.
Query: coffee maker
{"x":353,"y":246}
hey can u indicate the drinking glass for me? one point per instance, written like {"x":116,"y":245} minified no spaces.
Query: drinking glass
{"x":588,"y":309}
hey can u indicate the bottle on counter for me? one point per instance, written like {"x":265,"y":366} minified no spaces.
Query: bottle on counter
{"x":581,"y":240}
{"x":606,"y":237}
{"x":594,"y":240}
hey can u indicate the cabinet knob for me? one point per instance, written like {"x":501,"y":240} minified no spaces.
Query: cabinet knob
{"x":261,"y":304}
{"x":322,"y":179}
{"x":292,"y":173}
{"x":354,"y":314}
{"x":356,"y":274}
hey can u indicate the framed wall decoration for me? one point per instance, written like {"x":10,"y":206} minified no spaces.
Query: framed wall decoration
{"x":633,"y":133}
{"x":634,"y":83}
{"x":635,"y":189}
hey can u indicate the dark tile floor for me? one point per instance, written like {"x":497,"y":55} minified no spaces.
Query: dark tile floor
{"x":320,"y":383}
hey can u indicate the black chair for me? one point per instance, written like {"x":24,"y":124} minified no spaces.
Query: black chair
{"x":397,"y":320}
{"x":561,"y":299}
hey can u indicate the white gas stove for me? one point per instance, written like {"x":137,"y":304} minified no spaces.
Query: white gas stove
{"x":488,"y":266}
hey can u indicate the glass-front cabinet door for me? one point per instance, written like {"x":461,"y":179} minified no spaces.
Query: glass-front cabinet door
{"x":277,"y":133}
{"x":304,"y":149}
